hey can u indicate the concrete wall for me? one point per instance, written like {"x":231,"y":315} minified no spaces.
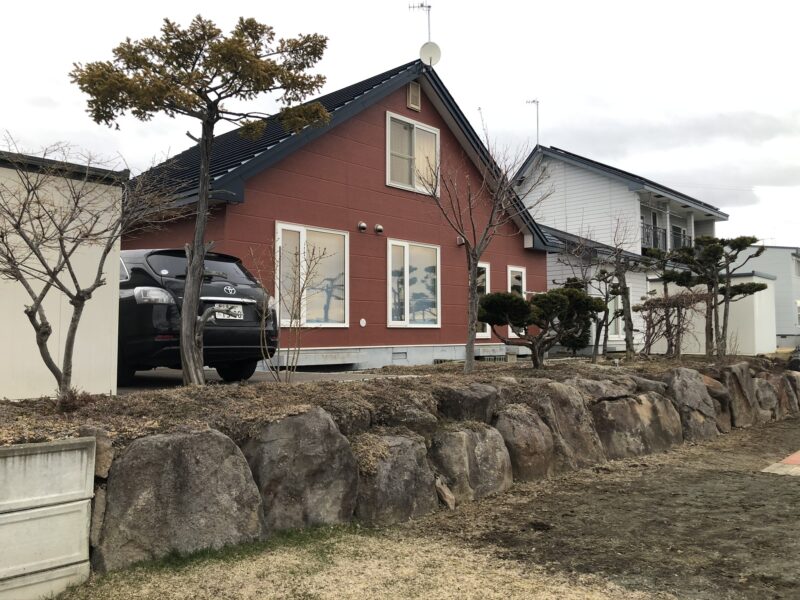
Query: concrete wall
{"x":22,"y":371}
{"x":45,"y":514}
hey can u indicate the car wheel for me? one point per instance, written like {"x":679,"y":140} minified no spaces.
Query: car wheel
{"x":237,"y":371}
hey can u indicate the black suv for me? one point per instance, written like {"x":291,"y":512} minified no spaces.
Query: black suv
{"x":150,"y":296}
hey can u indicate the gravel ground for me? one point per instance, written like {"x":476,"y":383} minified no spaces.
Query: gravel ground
{"x":700,"y":522}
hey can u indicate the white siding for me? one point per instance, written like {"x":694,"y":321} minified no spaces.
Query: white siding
{"x":559,"y":270}
{"x":780,"y":263}
{"x":587,"y":204}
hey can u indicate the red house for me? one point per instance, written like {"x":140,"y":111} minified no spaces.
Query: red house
{"x":394,"y":278}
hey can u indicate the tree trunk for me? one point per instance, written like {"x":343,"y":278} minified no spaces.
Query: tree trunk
{"x":191,"y":345}
{"x":726,"y":310}
{"x":598,"y":331}
{"x":627,"y":315}
{"x":710,"y":321}
{"x":43,"y":331}
{"x":537,"y":356}
{"x":472,"y":313}
{"x":606,"y":324}
{"x":720,"y":346}
{"x":65,"y":384}
{"x":678,"y":332}
{"x":668,"y":322}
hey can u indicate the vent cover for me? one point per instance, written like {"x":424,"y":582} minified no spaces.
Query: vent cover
{"x":414,"y":101}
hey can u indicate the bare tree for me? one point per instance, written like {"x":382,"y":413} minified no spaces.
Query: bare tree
{"x":54,"y":215}
{"x":479,"y":208}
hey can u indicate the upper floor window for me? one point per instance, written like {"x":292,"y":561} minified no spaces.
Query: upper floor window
{"x":312,"y":267}
{"x":412,"y":154}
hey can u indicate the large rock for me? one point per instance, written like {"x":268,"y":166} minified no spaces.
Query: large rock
{"x":722,"y":403}
{"x":402,"y":485}
{"x":696,"y":408}
{"x":603,"y":389}
{"x":177,"y":493}
{"x":767,"y":399}
{"x":529,"y":442}
{"x":477,"y":402}
{"x":744,"y":407}
{"x":103,"y":449}
{"x":564,"y":412}
{"x":637,"y":425}
{"x":473,"y":460}
{"x":794,"y":362}
{"x":305,"y":471}
{"x":787,"y":397}
{"x":414,"y":418}
{"x":644,"y":385}
{"x":793,"y":378}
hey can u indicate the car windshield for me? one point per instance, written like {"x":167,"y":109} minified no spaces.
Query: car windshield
{"x":170,"y":265}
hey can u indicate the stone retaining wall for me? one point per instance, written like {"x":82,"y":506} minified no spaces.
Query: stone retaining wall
{"x":197,"y":489}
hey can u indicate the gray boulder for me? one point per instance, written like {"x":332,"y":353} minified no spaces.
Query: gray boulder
{"x":575,"y":439}
{"x":644,"y":385}
{"x":787,"y":398}
{"x":177,"y":493}
{"x":414,"y":418}
{"x":637,"y":425}
{"x":305,"y":471}
{"x":477,"y":402}
{"x":402,"y":486}
{"x":739,"y":383}
{"x":603,"y":389}
{"x":722,"y":403}
{"x":793,"y":379}
{"x":473,"y":460}
{"x":696,"y":408}
{"x":794,"y":362}
{"x":767,"y":399}
{"x":528,"y":440}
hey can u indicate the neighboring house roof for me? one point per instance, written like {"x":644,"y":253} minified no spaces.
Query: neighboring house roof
{"x":558,"y":241}
{"x":635,"y":183}
{"x":26,"y":162}
{"x":235,"y":158}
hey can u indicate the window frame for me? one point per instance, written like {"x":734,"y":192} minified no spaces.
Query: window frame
{"x":417,"y":125}
{"x":406,"y":254}
{"x":524,"y":271}
{"x":486,"y":334}
{"x":302,"y":230}
{"x":797,"y":304}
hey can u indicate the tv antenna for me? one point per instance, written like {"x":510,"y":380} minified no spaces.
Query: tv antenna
{"x":536,"y":102}
{"x":427,"y":8}
{"x":429,"y":54}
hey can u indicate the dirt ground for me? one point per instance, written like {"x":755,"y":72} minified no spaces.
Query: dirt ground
{"x":700,"y":522}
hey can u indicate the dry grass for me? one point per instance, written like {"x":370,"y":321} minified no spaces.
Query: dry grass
{"x":351,"y":565}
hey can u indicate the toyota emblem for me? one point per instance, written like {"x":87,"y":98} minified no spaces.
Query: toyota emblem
{"x":229,"y":289}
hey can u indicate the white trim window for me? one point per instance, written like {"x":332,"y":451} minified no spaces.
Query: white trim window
{"x":798,"y":312}
{"x":483,"y":330}
{"x":412,"y":154}
{"x":516,"y":285}
{"x":413,"y":284}
{"x":312,"y":276}
{"x":615,"y":326}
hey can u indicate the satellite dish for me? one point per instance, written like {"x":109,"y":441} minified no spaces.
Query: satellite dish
{"x":430,"y":53}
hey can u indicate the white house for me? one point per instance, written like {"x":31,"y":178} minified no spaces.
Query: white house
{"x":783,"y":263}
{"x":23,"y":373}
{"x":582,"y":198}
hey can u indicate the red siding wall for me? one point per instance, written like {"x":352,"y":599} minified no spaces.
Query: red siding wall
{"x":339,"y":180}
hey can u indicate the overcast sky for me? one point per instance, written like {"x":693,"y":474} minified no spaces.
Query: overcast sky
{"x":703,"y":96}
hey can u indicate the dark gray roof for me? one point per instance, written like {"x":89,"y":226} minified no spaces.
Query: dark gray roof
{"x":235,"y":158}
{"x":558,"y":241}
{"x":634,"y":181}
{"x":14,"y":160}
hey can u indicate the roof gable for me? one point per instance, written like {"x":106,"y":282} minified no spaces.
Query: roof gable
{"x":634,"y":182}
{"x":236,"y":158}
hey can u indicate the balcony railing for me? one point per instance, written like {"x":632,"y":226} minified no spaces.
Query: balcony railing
{"x":654,"y":237}
{"x":681,"y":240}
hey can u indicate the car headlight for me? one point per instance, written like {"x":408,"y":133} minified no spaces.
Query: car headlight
{"x":152,"y":295}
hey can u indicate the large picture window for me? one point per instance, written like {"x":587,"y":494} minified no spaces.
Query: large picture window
{"x":312,"y":281}
{"x":413,"y":295}
{"x":412,"y":154}
{"x":483,"y":330}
